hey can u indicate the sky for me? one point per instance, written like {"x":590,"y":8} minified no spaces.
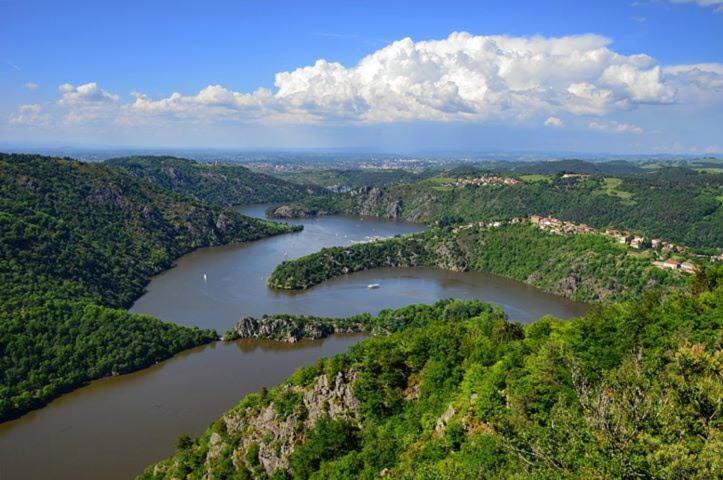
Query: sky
{"x":399,"y":76}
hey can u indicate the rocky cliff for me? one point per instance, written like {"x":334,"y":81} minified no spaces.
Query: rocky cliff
{"x":258,"y":439}
{"x":291,"y":329}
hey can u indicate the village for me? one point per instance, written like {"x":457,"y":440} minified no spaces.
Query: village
{"x":481,"y":181}
{"x":638,"y":242}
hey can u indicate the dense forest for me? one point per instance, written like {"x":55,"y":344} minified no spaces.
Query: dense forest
{"x":224,"y":184}
{"x":680,"y":205}
{"x":293,"y":328}
{"x":631,"y":390}
{"x":75,"y":239}
{"x":337,"y":179}
{"x":582,"y":267}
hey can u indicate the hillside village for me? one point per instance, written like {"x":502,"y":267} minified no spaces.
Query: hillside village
{"x":638,"y":242}
{"x":481,"y":181}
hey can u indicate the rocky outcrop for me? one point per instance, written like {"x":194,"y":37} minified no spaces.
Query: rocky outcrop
{"x":291,"y":211}
{"x":291,"y":329}
{"x":275,"y":434}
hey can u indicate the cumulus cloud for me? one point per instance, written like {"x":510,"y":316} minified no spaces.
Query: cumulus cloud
{"x":87,"y":102}
{"x":615,"y":127}
{"x":463,"y":77}
{"x":697,"y":84}
{"x":553,"y":122}
{"x":31,"y":85}
{"x":86,"y":94}
{"x":31,"y":114}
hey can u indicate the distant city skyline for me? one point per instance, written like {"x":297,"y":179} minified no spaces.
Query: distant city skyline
{"x":583,"y":77}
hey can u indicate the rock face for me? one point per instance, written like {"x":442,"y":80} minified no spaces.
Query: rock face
{"x":291,"y":329}
{"x":275,"y":434}
{"x":290,"y":211}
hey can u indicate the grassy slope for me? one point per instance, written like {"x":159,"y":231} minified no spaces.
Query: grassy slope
{"x":76,"y":239}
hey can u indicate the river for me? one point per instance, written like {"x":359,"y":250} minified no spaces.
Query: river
{"x":114,"y":427}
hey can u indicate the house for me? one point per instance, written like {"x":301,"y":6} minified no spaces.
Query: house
{"x":669,"y":263}
{"x":656,"y":243}
{"x":637,"y":242}
{"x":687,"y":267}
{"x":535,"y":219}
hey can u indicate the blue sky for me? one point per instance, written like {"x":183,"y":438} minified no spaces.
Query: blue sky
{"x":68,"y":71}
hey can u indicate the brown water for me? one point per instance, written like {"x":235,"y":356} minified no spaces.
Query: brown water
{"x":113,"y":428}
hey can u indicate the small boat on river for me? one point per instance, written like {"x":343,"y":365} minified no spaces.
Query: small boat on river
{"x":373,"y":285}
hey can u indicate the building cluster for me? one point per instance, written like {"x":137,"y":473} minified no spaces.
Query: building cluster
{"x":560,"y":227}
{"x":484,"y":180}
{"x":672,"y":264}
{"x":575,"y":175}
{"x":485,"y":225}
{"x":636,"y":241}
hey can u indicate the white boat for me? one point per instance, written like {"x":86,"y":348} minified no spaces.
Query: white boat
{"x":204,"y":277}
{"x":373,"y":285}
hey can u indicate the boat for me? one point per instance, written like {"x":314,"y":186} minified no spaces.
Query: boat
{"x":204,"y":277}
{"x":373,"y":285}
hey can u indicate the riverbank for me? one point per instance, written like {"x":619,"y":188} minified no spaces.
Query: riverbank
{"x":589,"y":268}
{"x":92,"y":432}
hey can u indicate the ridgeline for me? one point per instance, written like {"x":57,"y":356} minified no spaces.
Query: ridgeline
{"x":79,"y":241}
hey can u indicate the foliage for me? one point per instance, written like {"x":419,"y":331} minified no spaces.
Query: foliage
{"x":676,"y":204}
{"x":225,"y":185}
{"x":632,"y":390}
{"x":329,"y":439}
{"x":353,"y":178}
{"x":75,"y":239}
{"x":582,"y":267}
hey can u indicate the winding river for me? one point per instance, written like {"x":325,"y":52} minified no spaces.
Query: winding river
{"x":114,"y":427}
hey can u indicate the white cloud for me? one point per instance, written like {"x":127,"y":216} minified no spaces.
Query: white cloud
{"x":553,"y":122}
{"x":717,"y":4}
{"x":697,"y":84}
{"x":615,"y":127}
{"x":85,"y":94}
{"x":461,"y":78}
{"x":87,"y":102}
{"x":31,"y":114}
{"x":31,"y":86}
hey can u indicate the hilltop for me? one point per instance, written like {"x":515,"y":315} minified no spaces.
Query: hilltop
{"x":218,"y":184}
{"x":676,"y":204}
{"x":77,"y":242}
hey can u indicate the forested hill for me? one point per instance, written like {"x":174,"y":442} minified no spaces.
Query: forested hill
{"x":90,"y":229}
{"x":679,"y":205}
{"x":75,"y":239}
{"x":225,"y":185}
{"x":628,"y":391}
{"x":582,"y":267}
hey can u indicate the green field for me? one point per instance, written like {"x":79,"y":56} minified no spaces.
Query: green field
{"x":535,"y":177}
{"x":611,"y":187}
